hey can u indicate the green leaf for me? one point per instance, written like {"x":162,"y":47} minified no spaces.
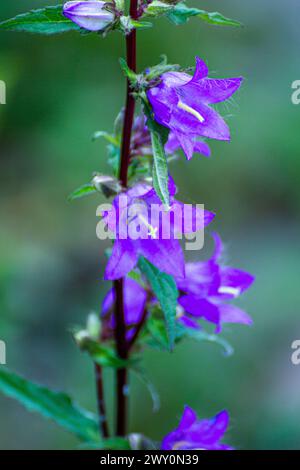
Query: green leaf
{"x":112,"y":443}
{"x":157,"y":8}
{"x":165,"y":290}
{"x":150,"y":387}
{"x":82,"y":191}
{"x":108,"y":137}
{"x":181,"y":14}
{"x":201,"y":335}
{"x":163,"y":67}
{"x":48,"y":20}
{"x":54,"y":405}
{"x":158,"y":335}
{"x":160,"y":174}
{"x":127,"y":24}
{"x":102,"y":355}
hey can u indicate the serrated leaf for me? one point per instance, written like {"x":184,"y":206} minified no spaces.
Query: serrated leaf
{"x":53,"y":405}
{"x":48,"y":20}
{"x":165,"y":290}
{"x":82,"y":191}
{"x":181,"y":14}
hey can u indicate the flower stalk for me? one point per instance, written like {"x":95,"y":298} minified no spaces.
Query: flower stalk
{"x":120,"y":327}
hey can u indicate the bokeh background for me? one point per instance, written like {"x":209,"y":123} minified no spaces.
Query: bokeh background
{"x":59,"y":91}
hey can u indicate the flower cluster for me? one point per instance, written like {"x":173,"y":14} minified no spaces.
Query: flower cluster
{"x":153,"y":286}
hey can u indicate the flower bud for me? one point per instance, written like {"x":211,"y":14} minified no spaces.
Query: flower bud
{"x":90,"y":15}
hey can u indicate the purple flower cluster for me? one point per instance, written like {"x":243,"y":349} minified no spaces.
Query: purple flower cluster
{"x":195,"y":434}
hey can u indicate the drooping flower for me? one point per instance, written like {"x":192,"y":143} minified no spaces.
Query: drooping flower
{"x":142,"y":227}
{"x":90,"y":15}
{"x":182,"y":103}
{"x":195,"y":434}
{"x":208,"y":287}
{"x":135,"y":297}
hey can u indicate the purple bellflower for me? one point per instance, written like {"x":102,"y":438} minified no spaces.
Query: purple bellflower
{"x":90,"y":15}
{"x":207,"y":288}
{"x":181,"y":103}
{"x":143,"y":227}
{"x":195,"y":434}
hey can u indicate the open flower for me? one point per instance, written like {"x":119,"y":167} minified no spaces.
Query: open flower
{"x":90,"y":15}
{"x":143,"y":227}
{"x":208,"y":287}
{"x":181,"y":103}
{"x":195,"y":434}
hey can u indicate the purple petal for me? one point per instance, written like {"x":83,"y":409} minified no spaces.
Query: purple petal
{"x":234,"y":282}
{"x":232,"y":314}
{"x":201,"y":70}
{"x":134,"y":301}
{"x":188,"y":322}
{"x":201,"y":278}
{"x":198,"y":120}
{"x":212,"y":430}
{"x":188,"y":418}
{"x":202,"y":147}
{"x":122,"y":260}
{"x":192,"y":219}
{"x":211,"y":90}
{"x":200,"y":308}
{"x":166,"y":255}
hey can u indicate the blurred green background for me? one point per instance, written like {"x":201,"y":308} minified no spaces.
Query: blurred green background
{"x":59,"y":91}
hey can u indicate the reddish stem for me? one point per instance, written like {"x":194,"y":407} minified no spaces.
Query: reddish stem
{"x":120,"y":328}
{"x":101,"y":403}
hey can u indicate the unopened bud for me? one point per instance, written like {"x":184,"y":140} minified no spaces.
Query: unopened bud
{"x":90,"y":15}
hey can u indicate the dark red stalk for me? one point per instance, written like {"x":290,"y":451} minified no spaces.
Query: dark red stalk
{"x":103,"y":426}
{"x":120,"y":328}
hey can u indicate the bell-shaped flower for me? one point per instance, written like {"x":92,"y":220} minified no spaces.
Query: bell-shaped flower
{"x":195,"y":434}
{"x":182,"y":103}
{"x":142,"y":226}
{"x":208,"y":287}
{"x":90,"y":15}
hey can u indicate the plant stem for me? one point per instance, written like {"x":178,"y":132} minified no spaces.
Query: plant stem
{"x":120,"y":328}
{"x":101,"y":403}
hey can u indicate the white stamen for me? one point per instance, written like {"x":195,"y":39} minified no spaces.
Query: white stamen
{"x":229,"y":290}
{"x":190,"y":110}
{"x":152,"y":230}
